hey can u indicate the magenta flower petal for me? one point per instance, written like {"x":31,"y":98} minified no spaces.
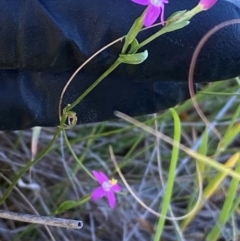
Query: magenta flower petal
{"x":116,"y":188}
{"x":96,"y":175}
{"x":154,"y":9}
{"x":103,"y":177}
{"x":142,"y":2}
{"x":98,"y":193}
{"x":100,"y":176}
{"x":151,"y":15}
{"x":111,"y":199}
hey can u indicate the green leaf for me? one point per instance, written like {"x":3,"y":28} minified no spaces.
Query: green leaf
{"x":175,"y":26}
{"x":177,"y":15}
{"x":133,"y":58}
{"x":180,"y":16}
{"x":178,"y":20}
{"x":68,"y":204}
{"x":133,"y":32}
{"x":134,"y":47}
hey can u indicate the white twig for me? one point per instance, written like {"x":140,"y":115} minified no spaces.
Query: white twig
{"x":45,"y":220}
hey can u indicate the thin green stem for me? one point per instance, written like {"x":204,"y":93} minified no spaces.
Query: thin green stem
{"x":89,"y":89}
{"x":151,"y":38}
{"x":75,"y":156}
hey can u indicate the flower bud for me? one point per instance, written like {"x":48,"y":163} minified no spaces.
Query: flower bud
{"x":206,"y":4}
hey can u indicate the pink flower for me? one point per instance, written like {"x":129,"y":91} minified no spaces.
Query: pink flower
{"x":154,"y":10}
{"x":107,"y":188}
{"x":206,"y":4}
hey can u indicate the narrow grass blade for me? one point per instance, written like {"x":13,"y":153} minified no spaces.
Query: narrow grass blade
{"x":226,"y":209}
{"x":171,"y":176}
{"x":75,"y":156}
{"x":231,"y":133}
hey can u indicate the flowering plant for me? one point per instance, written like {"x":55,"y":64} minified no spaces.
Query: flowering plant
{"x":155,"y":8}
{"x":129,"y":53}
